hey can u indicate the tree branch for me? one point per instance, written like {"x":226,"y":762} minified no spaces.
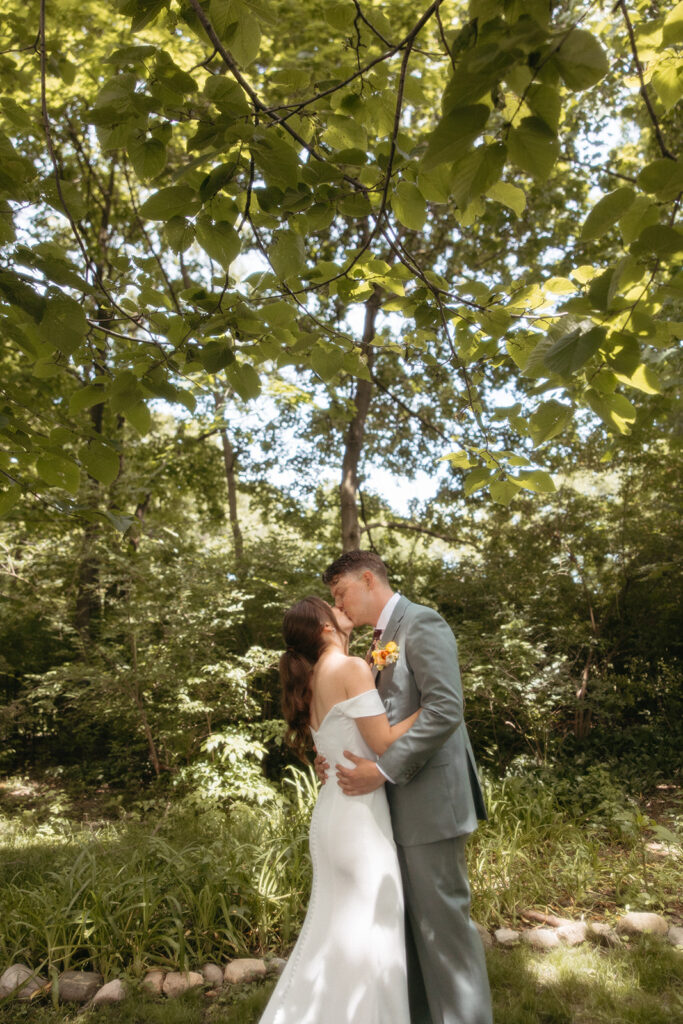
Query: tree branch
{"x":664,"y":149}
{"x":449,"y":539}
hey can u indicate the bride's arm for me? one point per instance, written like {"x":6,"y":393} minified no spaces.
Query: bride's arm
{"x":375,"y":729}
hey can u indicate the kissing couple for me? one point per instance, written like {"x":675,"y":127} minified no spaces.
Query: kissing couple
{"x":387,"y":937}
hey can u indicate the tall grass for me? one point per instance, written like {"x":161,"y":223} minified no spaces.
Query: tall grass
{"x":202,"y":885}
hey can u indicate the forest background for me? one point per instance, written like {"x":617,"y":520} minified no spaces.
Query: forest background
{"x":273,"y":287}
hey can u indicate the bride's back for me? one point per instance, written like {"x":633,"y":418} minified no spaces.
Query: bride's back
{"x":327,"y":685}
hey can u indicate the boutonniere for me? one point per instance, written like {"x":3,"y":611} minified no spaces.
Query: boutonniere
{"x":385,"y":655}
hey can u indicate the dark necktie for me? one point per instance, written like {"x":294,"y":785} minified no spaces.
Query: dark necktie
{"x":376,"y":634}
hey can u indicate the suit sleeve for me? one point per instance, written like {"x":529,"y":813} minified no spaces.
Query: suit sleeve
{"x":431,"y":654}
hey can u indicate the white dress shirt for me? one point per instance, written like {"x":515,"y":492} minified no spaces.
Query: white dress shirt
{"x":385,"y":614}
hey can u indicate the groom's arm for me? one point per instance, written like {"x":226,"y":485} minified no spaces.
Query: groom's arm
{"x":431,"y":653}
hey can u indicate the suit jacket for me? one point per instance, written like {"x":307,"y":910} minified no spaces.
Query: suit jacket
{"x":435,"y":792}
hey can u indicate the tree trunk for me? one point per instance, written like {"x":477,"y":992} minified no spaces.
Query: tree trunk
{"x":151,"y":745}
{"x":230,"y":461}
{"x":350,"y":524}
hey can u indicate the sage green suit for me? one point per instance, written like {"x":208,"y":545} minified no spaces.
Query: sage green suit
{"x":435,"y":800}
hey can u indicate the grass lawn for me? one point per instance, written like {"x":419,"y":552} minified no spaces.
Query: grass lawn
{"x":638,"y":983}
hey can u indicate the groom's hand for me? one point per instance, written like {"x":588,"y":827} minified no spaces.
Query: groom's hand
{"x":365,"y":777}
{"x":321,"y":767}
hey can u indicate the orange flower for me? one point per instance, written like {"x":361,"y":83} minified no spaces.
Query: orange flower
{"x":387,"y":655}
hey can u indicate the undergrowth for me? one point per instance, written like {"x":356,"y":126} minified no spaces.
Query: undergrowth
{"x":189,"y":884}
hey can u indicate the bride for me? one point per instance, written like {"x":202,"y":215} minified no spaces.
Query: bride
{"x":349,"y":963}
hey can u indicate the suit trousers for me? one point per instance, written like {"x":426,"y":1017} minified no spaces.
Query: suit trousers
{"x":447,"y":979}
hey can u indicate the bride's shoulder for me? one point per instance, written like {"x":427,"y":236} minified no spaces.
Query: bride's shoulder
{"x":357,"y":677}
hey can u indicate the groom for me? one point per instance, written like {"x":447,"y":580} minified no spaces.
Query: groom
{"x":433,"y":790}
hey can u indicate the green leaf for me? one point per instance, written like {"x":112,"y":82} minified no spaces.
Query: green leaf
{"x":174,"y":201}
{"x":148,"y":157}
{"x":58,"y":471}
{"x":277,"y":159}
{"x":216,"y":179}
{"x":8,"y":499}
{"x":243,"y":37}
{"x":63,"y":323}
{"x":223,"y":16}
{"x":20,"y":294}
{"x":345,"y":133}
{"x":548,"y":421}
{"x":244,"y":379}
{"x":340,"y":15}
{"x":85,"y":398}
{"x":287,"y":253}
{"x":668,"y":84}
{"x":643,"y":378}
{"x":435,"y":185}
{"x":476,"y":172}
{"x":219,"y":240}
{"x":216,"y":355}
{"x":101,"y":461}
{"x":503,"y":491}
{"x":581,"y":60}
{"x":119,"y":521}
{"x":545,"y":103}
{"x":508,"y":195}
{"x":455,"y":132}
{"x":459,"y":460}
{"x":662,"y":177}
{"x":180,"y":234}
{"x":535,"y":480}
{"x":476,"y":479}
{"x":673,"y":26}
{"x":641,"y":214}
{"x":659,"y":239}
{"x":409,"y":206}
{"x":533,"y":147}
{"x":614,"y":410}
{"x":139,"y":417}
{"x":327,"y":360}
{"x":573,"y":350}
{"x":607,"y":212}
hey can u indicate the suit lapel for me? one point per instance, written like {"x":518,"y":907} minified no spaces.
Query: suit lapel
{"x":391,"y":629}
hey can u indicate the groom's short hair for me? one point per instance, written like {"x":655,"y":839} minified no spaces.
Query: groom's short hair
{"x":356,"y":562}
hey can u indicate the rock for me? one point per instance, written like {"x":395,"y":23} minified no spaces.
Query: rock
{"x":213,"y":975}
{"x":239,"y":971}
{"x":175,"y":982}
{"x":113,"y":992}
{"x":275,"y":966}
{"x":21,"y":981}
{"x":675,"y":935}
{"x":541,"y":938}
{"x":638,"y":923}
{"x":603,"y":934}
{"x":485,"y":937}
{"x":506,"y":936}
{"x":78,"y":986}
{"x":573,"y":933}
{"x":153,"y":982}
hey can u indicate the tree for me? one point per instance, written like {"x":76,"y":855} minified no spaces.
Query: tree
{"x":205,"y":137}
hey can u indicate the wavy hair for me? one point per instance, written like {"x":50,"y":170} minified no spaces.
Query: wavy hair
{"x":302,"y":629}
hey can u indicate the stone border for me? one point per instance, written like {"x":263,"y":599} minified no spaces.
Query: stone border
{"x":88,"y":988}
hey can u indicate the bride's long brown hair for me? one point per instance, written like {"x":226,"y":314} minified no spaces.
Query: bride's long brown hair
{"x":302,"y":628}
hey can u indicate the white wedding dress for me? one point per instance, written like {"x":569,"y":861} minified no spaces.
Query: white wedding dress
{"x":349,"y":963}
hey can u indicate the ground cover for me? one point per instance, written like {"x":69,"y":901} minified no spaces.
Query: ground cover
{"x":87,"y":884}
{"x":639,"y":983}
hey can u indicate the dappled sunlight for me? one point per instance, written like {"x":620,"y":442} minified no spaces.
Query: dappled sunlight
{"x":639,"y":982}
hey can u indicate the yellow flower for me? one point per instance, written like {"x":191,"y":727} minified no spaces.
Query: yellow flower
{"x":387,"y":655}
